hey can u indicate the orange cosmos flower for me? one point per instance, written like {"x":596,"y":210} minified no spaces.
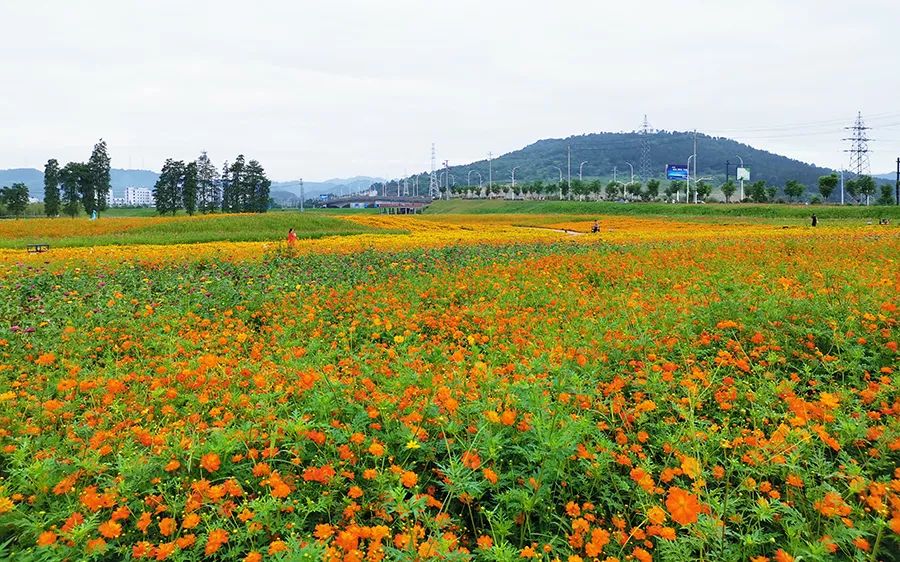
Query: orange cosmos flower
{"x":210,"y":462}
{"x":46,"y":538}
{"x":782,"y":556}
{"x":110,"y":529}
{"x":167,"y":526}
{"x":215,"y":540}
{"x":409,"y":479}
{"x":683,"y":506}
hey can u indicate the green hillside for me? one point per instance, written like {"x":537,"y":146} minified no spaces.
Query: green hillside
{"x":604,"y":151}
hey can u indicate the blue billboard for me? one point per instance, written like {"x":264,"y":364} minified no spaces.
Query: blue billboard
{"x":677,"y":172}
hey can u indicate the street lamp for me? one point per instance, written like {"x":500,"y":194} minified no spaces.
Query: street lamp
{"x":625,"y":191}
{"x":742,"y":178}
{"x":560,"y":181}
{"x":580,"y":168}
{"x":514,"y":177}
{"x":490,"y":171}
{"x":632,"y":171}
{"x":687,"y":191}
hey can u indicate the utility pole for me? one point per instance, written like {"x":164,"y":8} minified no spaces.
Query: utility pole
{"x":302,"y":197}
{"x":490,"y":171}
{"x":842,"y":185}
{"x":695,"y":165}
{"x":434,"y":190}
{"x":727,"y":168}
{"x":569,"y":167}
{"x":447,"y":169}
{"x":897,"y":185}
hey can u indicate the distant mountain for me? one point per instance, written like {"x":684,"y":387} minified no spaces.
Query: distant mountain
{"x":119,"y":179}
{"x":34,"y":179}
{"x":601,"y":152}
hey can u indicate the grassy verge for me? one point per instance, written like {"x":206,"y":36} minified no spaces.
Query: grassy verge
{"x":709,"y":210}
{"x":62,"y":232}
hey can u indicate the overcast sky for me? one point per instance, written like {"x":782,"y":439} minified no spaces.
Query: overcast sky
{"x":321,"y":89}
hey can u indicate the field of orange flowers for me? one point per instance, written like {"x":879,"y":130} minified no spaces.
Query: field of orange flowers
{"x":475,"y":389}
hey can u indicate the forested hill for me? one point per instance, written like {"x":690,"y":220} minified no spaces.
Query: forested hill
{"x":604,"y":151}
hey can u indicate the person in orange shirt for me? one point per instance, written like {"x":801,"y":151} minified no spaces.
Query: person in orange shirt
{"x":292,"y":238}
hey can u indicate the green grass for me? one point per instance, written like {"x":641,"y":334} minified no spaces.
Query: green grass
{"x":233,"y":228}
{"x":743,"y":210}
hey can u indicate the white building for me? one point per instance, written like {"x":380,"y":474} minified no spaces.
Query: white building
{"x":139,"y":197}
{"x":134,"y":197}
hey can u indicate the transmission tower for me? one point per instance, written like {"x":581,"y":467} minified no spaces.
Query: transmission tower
{"x":433,"y":188}
{"x":644,"y":165}
{"x":859,"y":147}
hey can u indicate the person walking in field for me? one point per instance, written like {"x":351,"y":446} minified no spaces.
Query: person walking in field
{"x":291,"y":238}
{"x":596,"y":228}
{"x":815,"y":221}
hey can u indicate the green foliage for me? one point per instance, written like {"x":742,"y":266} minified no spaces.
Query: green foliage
{"x":75,"y":178}
{"x":99,"y":184}
{"x":827,"y":185}
{"x":613,"y":189}
{"x":167,"y":191}
{"x":208,"y":195}
{"x":728,"y":188}
{"x":887,"y":195}
{"x":653,"y":189}
{"x":757,"y":192}
{"x":189,"y":188}
{"x":866,"y":186}
{"x":594,"y":208}
{"x":794,"y":189}
{"x":15,"y":199}
{"x":703,"y":189}
{"x":51,"y":188}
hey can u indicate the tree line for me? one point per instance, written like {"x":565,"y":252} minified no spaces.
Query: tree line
{"x":197,"y":186}
{"x":77,"y":184}
{"x":860,"y":189}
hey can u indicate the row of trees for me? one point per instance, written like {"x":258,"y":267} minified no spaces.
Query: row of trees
{"x":77,"y":184}
{"x":197,"y":186}
{"x":860,"y":189}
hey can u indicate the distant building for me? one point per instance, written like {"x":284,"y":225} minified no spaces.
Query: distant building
{"x":133,"y":197}
{"x":139,"y":197}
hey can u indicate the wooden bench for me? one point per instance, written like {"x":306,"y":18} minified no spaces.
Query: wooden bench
{"x":37,"y":248}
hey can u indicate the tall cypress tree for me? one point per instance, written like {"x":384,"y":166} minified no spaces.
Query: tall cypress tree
{"x":74,"y":178}
{"x":189,"y":188}
{"x":167,"y":191}
{"x":225,"y":187}
{"x":51,"y":188}
{"x":208,"y":198}
{"x":257,"y":186}
{"x":99,"y":176}
{"x":234,"y":201}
